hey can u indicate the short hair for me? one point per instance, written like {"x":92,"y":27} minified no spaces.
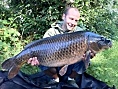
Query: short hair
{"x":68,"y":8}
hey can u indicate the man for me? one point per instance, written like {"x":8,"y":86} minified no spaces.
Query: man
{"x":69,"y":24}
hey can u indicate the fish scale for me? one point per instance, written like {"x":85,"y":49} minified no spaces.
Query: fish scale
{"x":58,"y":50}
{"x":64,"y":53}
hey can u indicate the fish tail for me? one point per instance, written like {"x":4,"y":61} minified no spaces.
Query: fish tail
{"x":7,"y":64}
{"x":13,"y":71}
{"x":11,"y":67}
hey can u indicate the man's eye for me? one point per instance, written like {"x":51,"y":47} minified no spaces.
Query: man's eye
{"x":76,"y":20}
{"x":71,"y":18}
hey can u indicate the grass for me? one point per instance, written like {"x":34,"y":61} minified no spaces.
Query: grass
{"x":104,"y":66}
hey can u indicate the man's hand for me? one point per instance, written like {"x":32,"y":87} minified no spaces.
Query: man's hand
{"x":92,"y":54}
{"x":33,"y":61}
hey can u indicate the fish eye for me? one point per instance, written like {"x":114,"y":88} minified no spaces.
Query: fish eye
{"x":102,"y":38}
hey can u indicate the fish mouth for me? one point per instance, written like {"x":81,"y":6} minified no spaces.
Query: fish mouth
{"x":100,"y":45}
{"x":108,"y":43}
{"x":105,"y":44}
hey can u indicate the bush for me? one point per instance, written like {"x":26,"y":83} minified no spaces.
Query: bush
{"x":32,"y":18}
{"x":10,"y":43}
{"x":99,"y":16}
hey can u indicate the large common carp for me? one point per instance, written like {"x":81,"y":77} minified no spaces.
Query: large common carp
{"x":58,"y":50}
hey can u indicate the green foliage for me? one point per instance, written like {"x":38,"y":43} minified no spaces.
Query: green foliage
{"x":28,"y":69}
{"x":100,"y":16}
{"x":104,"y":65}
{"x":34,"y":17}
{"x":9,"y":43}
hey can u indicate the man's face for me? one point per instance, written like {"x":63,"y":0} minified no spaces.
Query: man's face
{"x":71,"y":19}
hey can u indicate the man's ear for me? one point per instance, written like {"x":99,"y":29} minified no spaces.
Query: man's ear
{"x":63,"y":16}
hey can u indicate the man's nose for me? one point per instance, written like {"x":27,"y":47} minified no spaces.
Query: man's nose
{"x":74,"y":22}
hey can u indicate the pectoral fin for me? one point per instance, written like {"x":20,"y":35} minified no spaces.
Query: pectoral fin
{"x":63,"y":70}
{"x":87,"y":59}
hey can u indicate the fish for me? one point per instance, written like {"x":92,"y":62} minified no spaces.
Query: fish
{"x":58,"y":51}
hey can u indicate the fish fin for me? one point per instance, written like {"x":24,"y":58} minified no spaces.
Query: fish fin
{"x":13,"y":71}
{"x":63,"y":70}
{"x":7,"y":64}
{"x":11,"y":67}
{"x":87,"y":59}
